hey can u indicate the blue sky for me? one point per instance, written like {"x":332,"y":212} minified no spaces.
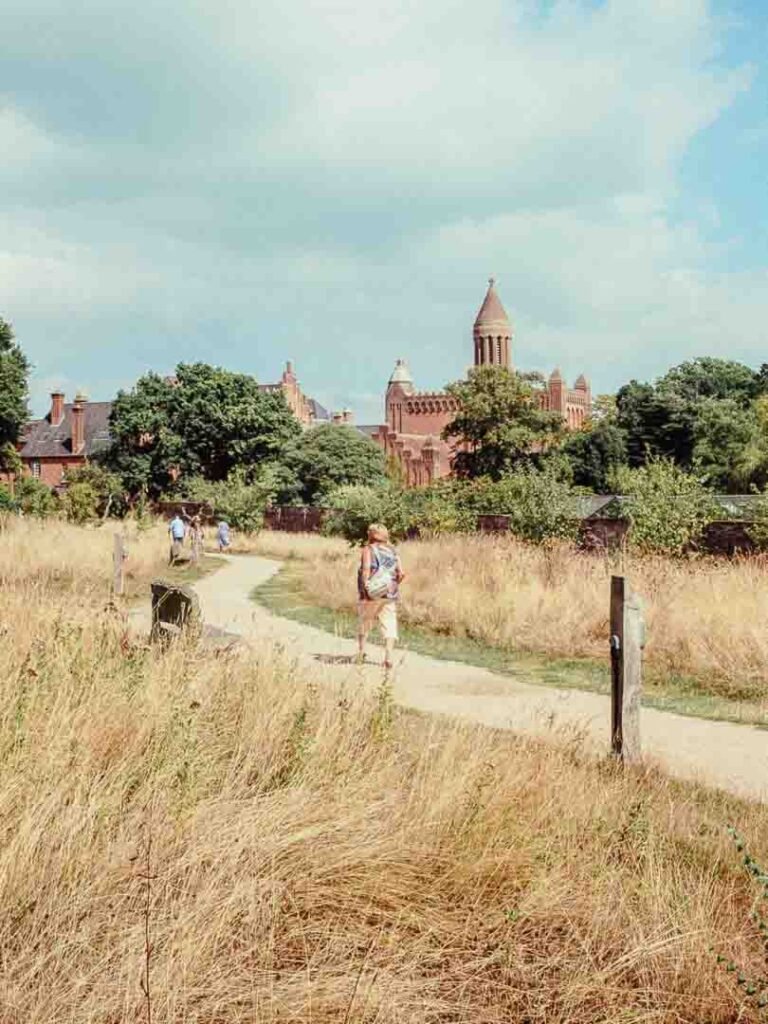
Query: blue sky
{"x":333,"y":183}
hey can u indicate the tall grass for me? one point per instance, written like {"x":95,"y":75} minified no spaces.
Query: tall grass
{"x":705,"y":618}
{"x":53,"y":555}
{"x":311,"y":860}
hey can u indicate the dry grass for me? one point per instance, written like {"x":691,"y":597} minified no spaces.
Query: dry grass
{"x":310,"y":863}
{"x":43,"y":556}
{"x":705,"y":618}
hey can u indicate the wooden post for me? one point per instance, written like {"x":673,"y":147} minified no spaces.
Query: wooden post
{"x":118,"y":562}
{"x":627,"y":643}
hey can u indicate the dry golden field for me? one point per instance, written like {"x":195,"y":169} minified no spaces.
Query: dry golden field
{"x":705,"y":618}
{"x":292,"y":852}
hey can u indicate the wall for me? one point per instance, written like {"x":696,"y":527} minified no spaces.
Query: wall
{"x":290,"y":519}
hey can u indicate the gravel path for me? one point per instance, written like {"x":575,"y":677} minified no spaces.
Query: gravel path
{"x":721,"y":754}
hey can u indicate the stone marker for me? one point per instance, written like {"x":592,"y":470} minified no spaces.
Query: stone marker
{"x":175,"y":610}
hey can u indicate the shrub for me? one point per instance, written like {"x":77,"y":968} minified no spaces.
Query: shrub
{"x":758,"y":527}
{"x":7,"y":502}
{"x":353,"y":508}
{"x":668,"y":509}
{"x":437,"y":510}
{"x":91,"y":493}
{"x":241,"y":499}
{"x":34,"y":498}
{"x":539,"y":502}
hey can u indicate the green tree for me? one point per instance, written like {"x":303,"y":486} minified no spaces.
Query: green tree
{"x":145,"y":450}
{"x":226,"y":421}
{"x":594,"y":452}
{"x":14,"y":372}
{"x":725,"y":439}
{"x":204,"y":422}
{"x":331,"y":456}
{"x":500,"y":425}
{"x":655,"y":424}
{"x":708,"y":377}
{"x":661,"y":420}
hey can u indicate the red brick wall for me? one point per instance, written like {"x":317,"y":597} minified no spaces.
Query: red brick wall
{"x":290,"y":519}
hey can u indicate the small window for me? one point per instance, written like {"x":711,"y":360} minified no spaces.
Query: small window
{"x":36,"y":469}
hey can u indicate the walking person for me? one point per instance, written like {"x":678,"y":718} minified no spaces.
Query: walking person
{"x":178,"y":531}
{"x":222,"y":536}
{"x":378,"y":587}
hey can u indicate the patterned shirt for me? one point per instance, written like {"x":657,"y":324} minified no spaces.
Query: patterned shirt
{"x":382,"y":557}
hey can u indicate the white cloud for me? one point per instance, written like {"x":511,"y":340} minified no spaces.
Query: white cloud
{"x":335,"y":181}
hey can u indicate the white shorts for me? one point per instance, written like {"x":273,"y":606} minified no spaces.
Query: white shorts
{"x":385,"y":612}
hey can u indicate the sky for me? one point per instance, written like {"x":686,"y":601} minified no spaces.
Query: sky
{"x":333,"y":182}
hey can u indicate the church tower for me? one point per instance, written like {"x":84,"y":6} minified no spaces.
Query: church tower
{"x":492,"y":332}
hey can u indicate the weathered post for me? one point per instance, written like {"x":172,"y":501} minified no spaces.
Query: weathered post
{"x":118,"y":565}
{"x":627,"y":643}
{"x":197,"y":545}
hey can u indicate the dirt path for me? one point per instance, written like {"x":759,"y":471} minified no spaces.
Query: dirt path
{"x":732,"y":757}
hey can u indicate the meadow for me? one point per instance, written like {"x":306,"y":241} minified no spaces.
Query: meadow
{"x":705,"y":617}
{"x":223,"y":835}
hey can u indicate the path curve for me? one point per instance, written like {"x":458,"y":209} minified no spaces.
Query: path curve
{"x":722,"y":754}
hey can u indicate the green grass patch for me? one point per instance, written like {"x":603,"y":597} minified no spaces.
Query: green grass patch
{"x":285,"y":594}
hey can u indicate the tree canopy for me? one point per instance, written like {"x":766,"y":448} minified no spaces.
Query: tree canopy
{"x":331,"y":456}
{"x":500,"y":424}
{"x":594,"y":452}
{"x":203,"y":422}
{"x":14,"y":371}
{"x":703,"y":415}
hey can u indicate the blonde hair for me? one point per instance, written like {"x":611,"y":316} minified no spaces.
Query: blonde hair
{"x":378,"y":532}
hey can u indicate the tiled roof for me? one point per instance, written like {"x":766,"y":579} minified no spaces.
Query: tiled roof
{"x":45,"y":441}
{"x":319,"y":412}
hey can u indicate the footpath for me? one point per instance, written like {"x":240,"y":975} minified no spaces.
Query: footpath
{"x":720,"y":754}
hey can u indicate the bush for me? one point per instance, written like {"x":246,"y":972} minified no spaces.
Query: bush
{"x":668,"y":509}
{"x":539,"y":502}
{"x":91,"y":493}
{"x":34,"y":498}
{"x":758,"y":527}
{"x":437,"y":510}
{"x":7,"y":502}
{"x":353,"y":508}
{"x":241,"y":499}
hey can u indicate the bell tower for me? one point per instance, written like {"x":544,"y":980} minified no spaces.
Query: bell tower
{"x":492,"y":331}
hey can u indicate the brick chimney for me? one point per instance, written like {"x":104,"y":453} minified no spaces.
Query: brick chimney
{"x":57,"y":407}
{"x":78,"y":423}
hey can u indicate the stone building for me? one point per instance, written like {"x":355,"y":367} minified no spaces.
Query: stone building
{"x":416,"y":419}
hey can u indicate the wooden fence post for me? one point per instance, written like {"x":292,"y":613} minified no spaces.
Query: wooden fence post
{"x":627,"y":643}
{"x":118,"y":562}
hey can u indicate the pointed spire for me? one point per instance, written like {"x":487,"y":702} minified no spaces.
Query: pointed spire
{"x":401,"y":373}
{"x":581,"y":383}
{"x":491,"y":310}
{"x":556,"y":375}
